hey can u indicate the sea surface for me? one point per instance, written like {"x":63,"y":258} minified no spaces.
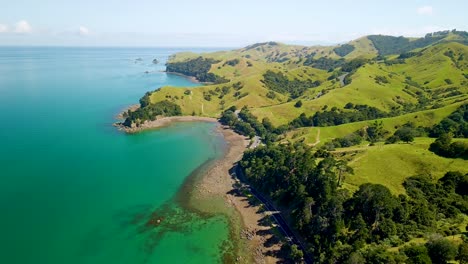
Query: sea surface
{"x":73,"y":189}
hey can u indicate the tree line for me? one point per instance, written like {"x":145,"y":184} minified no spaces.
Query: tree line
{"x":278,"y":82}
{"x":335,"y":116}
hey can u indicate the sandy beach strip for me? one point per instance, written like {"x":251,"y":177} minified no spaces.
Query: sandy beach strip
{"x":219,"y":181}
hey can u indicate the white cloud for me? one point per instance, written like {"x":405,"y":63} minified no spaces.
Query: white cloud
{"x":3,"y":28}
{"x":425,"y":10}
{"x":83,"y":31}
{"x":23,"y":27}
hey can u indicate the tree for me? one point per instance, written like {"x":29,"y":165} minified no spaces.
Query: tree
{"x":343,"y":169}
{"x":375,"y":203}
{"x":405,"y":134}
{"x":349,"y":106}
{"x":462,"y":256}
{"x":375,"y":131}
{"x":417,"y":254}
{"x":296,"y":254}
{"x":298,"y":104}
{"x":441,"y":250}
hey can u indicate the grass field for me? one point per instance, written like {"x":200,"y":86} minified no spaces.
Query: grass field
{"x":426,"y":118}
{"x":391,"y":164}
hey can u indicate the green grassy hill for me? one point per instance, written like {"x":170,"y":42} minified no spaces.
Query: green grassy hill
{"x":437,"y":72}
{"x":391,"y":164}
{"x":419,"y":81}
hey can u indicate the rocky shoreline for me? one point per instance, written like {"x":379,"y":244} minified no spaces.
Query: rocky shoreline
{"x":218,"y":182}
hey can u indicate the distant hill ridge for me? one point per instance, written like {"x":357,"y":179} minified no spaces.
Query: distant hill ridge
{"x":394,"y":75}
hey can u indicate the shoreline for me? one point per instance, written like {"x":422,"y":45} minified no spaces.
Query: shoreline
{"x":190,"y":78}
{"x":211,"y":189}
{"x":163,"y":122}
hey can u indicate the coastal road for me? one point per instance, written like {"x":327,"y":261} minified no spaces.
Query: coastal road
{"x":276,"y":215}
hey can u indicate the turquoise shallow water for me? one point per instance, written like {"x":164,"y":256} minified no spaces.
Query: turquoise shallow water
{"x":75,"y":190}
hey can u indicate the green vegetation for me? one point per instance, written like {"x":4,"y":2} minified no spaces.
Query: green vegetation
{"x":456,"y":124}
{"x":279,"y":83}
{"x":358,"y":139}
{"x":246,"y":124}
{"x":232,"y":62}
{"x":337,"y":117}
{"x":323,"y":63}
{"x":443,"y":146}
{"x":151,"y":111}
{"x":344,"y":50}
{"x":387,"y":45}
{"x":198,"y":68}
{"x":338,"y":226}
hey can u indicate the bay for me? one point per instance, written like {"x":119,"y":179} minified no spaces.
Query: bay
{"x":73,"y":189}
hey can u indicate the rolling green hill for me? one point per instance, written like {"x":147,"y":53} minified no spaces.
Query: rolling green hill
{"x":411,"y":81}
{"x":346,"y":128}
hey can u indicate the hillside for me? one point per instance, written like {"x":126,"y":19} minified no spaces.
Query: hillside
{"x":397,"y":80}
{"x":341,"y":125}
{"x":435,"y":74}
{"x":322,"y":93}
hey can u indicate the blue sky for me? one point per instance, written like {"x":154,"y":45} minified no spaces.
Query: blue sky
{"x":219,"y":23}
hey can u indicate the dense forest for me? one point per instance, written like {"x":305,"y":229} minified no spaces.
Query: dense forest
{"x":278,"y":82}
{"x":197,"y":68}
{"x":340,"y":227}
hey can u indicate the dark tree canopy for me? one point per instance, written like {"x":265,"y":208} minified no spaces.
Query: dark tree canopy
{"x":456,"y":124}
{"x":198,"y":68}
{"x":278,"y":82}
{"x":344,"y":50}
{"x":341,"y":228}
{"x":150,"y":112}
